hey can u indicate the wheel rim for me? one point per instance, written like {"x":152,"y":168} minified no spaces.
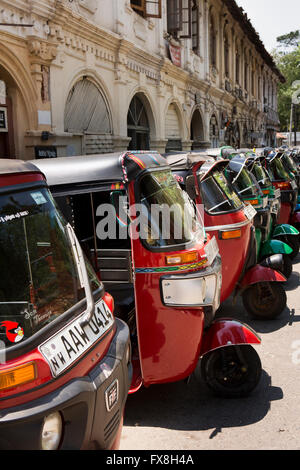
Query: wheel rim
{"x":264,"y":297}
{"x":229,"y":371}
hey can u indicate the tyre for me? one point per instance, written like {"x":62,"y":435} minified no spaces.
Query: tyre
{"x":294,"y":242}
{"x":287,"y":266}
{"x":232,"y":371}
{"x":265,"y":300}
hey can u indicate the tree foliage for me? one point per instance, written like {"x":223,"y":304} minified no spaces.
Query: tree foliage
{"x":291,"y":39}
{"x":288,"y":62}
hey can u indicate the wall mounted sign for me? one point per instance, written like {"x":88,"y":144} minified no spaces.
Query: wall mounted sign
{"x":45,"y":152}
{"x":2,"y":92}
{"x":3,"y":120}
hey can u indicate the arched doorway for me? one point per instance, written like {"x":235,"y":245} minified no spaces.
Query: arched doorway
{"x":173,"y":132}
{"x":197,"y":130}
{"x":246,"y":136}
{"x":138,"y":125}
{"x":87,"y":112}
{"x":232,"y":135}
{"x":7,"y":141}
{"x":214,"y":132}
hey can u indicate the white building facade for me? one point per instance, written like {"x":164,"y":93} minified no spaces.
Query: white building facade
{"x":95,"y":76}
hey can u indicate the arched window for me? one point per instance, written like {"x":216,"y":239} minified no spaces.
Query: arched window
{"x":246,"y":66}
{"x":86,"y":110}
{"x":195,"y":27}
{"x":138,"y":125}
{"x":226,"y":54}
{"x":237,"y":65}
{"x":212,"y":41}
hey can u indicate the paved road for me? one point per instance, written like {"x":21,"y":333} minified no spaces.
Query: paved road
{"x":184,"y":416}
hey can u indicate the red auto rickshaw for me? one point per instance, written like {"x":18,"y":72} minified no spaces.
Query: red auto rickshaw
{"x":166,"y":284}
{"x":65,"y":363}
{"x":282,"y":180}
{"x":231,"y":223}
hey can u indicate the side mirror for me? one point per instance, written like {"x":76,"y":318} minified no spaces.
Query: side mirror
{"x":190,"y":187}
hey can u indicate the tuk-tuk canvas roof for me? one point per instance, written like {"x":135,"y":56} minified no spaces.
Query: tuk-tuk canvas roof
{"x":103,"y":168}
{"x":186,"y":161}
{"x":81,"y":169}
{"x":8,"y":166}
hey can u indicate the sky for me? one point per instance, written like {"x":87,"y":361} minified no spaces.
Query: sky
{"x":272,"y":18}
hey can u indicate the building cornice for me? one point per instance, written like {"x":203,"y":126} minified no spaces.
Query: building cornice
{"x":241,"y":17}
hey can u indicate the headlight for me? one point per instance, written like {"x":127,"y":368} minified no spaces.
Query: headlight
{"x":51,"y":431}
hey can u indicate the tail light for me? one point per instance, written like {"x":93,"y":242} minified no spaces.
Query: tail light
{"x":284,"y":185}
{"x":17,"y":376}
{"x":253,"y":202}
{"x":230,"y":234}
{"x":109,"y":300}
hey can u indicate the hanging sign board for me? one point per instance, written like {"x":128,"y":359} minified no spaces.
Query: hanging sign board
{"x":175,"y":54}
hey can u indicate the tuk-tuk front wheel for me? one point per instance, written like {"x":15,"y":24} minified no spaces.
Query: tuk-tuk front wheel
{"x":265,"y":300}
{"x":287,"y":266}
{"x":293,"y":241}
{"x":232,"y":371}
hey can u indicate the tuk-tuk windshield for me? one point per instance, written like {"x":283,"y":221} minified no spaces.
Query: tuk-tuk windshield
{"x":218,"y":195}
{"x":171,"y":216}
{"x":277,"y":170}
{"x":261,"y":175}
{"x":289,"y":163}
{"x":244,"y":184}
{"x":39,"y":279}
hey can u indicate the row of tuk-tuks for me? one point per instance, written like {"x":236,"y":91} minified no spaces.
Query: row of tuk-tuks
{"x":113,"y":269}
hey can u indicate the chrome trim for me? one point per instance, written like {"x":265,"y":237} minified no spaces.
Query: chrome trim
{"x":82,"y":274}
{"x":197,"y":289}
{"x":227,"y":227}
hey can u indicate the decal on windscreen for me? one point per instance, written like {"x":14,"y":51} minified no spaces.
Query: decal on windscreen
{"x":9,"y":217}
{"x":14,"y":332}
{"x":38,"y":198}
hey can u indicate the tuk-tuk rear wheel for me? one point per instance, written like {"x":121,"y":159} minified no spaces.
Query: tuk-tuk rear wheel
{"x":265,"y":300}
{"x":232,"y":371}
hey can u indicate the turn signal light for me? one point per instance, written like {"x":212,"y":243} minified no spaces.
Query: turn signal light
{"x":17,"y":376}
{"x":183,"y":258}
{"x":253,"y":202}
{"x":228,"y":235}
{"x":285,"y":185}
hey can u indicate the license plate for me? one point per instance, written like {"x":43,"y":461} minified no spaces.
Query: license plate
{"x":211,"y":250}
{"x":277,"y":193}
{"x":274,"y":208}
{"x":68,"y":345}
{"x":293,"y":184}
{"x":112,"y":395}
{"x":249,"y":212}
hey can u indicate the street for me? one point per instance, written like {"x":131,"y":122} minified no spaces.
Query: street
{"x":184,"y":416}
